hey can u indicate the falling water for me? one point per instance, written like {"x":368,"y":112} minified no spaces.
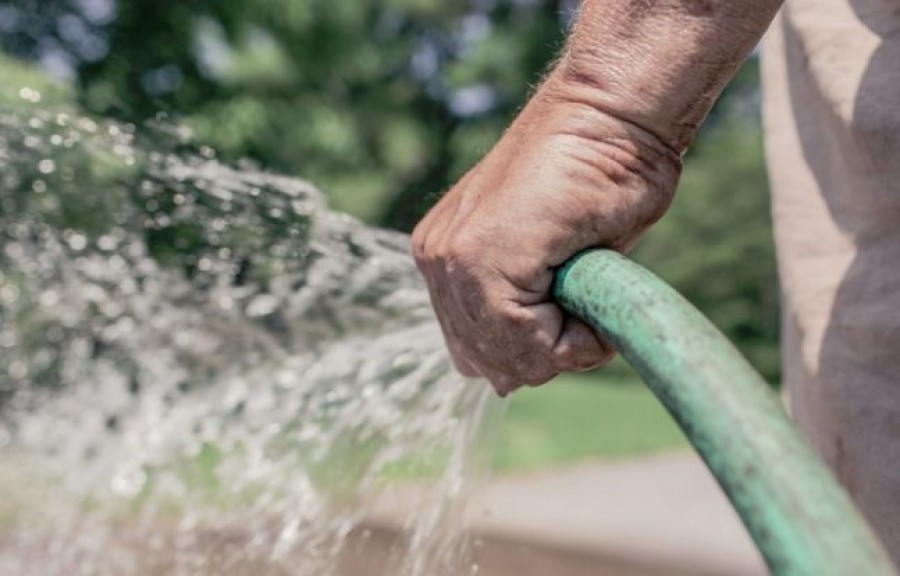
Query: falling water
{"x":204,"y":371}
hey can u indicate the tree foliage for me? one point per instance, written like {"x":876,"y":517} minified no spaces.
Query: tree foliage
{"x":377,"y":102}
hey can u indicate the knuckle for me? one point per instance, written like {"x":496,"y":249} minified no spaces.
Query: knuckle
{"x":452,"y":255}
{"x":459,"y":254}
{"x":461,"y":245}
{"x":419,"y":247}
{"x":519,"y":322}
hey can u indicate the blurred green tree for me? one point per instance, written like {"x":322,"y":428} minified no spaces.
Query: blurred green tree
{"x":376,"y":102}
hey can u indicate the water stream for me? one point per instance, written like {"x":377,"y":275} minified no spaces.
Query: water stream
{"x":205,"y":371}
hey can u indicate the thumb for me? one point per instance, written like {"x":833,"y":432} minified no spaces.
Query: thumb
{"x":579,"y":347}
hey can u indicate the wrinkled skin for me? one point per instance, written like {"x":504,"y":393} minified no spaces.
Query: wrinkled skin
{"x":564,"y":177}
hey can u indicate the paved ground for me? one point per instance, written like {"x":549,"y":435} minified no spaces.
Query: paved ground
{"x":664,"y":514}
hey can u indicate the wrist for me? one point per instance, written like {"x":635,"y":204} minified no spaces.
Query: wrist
{"x":625,"y":175}
{"x":653,"y":112}
{"x":563,"y":108}
{"x":660,"y":66}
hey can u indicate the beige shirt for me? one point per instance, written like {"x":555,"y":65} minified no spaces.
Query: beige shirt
{"x":831,"y":78}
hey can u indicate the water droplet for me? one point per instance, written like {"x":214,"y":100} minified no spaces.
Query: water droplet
{"x":9,"y":294}
{"x":18,"y":369}
{"x":8,"y":339}
{"x":107,"y":242}
{"x":46,"y":166}
{"x":128,"y":482}
{"x":49,"y":298}
{"x":76,"y":241}
{"x":262,"y":305}
{"x":87,"y":125}
{"x":30,"y":95}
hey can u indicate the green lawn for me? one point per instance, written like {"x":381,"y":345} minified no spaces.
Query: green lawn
{"x":604,"y":414}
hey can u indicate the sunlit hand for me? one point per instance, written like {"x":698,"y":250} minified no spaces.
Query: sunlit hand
{"x":563,"y":178}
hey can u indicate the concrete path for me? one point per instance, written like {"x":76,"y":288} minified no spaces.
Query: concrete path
{"x":663,"y":513}
{"x":665,"y":510}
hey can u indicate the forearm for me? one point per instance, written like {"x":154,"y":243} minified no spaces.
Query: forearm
{"x":658,"y":64}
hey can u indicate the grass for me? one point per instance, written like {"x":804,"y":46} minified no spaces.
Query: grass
{"x":604,"y":414}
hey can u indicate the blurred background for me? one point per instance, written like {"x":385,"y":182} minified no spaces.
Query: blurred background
{"x":383,"y":105}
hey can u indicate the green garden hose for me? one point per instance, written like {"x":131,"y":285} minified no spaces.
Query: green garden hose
{"x":802,"y":521}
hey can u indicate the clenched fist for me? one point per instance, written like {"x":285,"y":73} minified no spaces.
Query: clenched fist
{"x":564,"y":177}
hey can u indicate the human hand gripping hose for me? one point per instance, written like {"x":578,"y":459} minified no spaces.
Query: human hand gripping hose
{"x":803,"y":523}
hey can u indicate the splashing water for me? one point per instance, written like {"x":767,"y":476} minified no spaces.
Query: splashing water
{"x":204,"y":371}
